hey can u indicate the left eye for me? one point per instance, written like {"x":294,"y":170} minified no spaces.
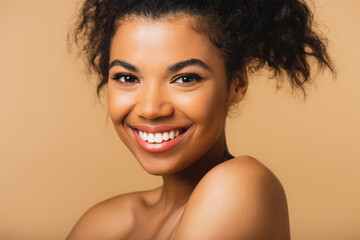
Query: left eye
{"x":187,"y":79}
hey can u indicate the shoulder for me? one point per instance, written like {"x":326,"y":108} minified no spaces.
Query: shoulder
{"x":237,"y":198}
{"x":110,"y":219}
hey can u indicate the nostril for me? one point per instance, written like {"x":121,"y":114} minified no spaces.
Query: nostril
{"x":154,"y":109}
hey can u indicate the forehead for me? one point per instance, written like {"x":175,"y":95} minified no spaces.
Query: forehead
{"x":166,"y":39}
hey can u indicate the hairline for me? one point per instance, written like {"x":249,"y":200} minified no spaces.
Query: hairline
{"x":200,"y":24}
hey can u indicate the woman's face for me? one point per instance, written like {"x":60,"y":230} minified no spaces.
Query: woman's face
{"x":167,"y":92}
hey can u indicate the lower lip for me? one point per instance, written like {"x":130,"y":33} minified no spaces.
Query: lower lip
{"x":157,"y":147}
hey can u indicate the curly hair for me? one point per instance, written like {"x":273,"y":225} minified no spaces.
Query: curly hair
{"x":249,"y":33}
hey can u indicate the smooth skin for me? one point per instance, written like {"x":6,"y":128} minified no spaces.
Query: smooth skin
{"x":164,"y":73}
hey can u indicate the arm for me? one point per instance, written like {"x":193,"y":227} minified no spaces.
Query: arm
{"x":238,"y":199}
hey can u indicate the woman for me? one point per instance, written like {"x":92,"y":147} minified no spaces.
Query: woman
{"x":172,"y":70}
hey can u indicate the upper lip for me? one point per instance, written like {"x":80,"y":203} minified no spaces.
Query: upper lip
{"x":157,"y":129}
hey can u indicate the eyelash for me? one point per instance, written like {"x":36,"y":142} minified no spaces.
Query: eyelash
{"x":126,"y":77}
{"x":195,"y":78}
{"x":130,"y":79}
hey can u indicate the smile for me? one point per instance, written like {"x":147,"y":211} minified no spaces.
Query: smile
{"x":158,"y":139}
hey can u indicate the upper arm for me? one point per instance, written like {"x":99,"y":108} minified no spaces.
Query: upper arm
{"x":111,"y":219}
{"x":238,"y":199}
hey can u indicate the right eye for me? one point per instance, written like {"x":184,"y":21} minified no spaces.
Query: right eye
{"x":125,"y":78}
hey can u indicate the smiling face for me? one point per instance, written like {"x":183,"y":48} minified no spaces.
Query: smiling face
{"x":167,"y":92}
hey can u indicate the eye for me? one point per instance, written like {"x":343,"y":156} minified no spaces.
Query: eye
{"x":187,"y":79}
{"x":125,"y":78}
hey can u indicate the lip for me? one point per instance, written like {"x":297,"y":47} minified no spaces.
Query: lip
{"x":157,"y":129}
{"x":157,"y":147}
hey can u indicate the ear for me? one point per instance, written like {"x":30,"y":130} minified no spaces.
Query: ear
{"x":239,"y":85}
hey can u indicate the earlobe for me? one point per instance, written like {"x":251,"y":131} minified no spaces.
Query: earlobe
{"x":239,"y":85}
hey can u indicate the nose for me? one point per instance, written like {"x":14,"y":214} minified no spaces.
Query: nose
{"x":153,"y":102}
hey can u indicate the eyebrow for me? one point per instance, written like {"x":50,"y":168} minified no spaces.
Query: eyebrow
{"x":172,"y":68}
{"x":123,"y":64}
{"x":190,"y":62}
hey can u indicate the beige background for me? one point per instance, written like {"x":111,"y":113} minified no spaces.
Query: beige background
{"x":59,"y":154}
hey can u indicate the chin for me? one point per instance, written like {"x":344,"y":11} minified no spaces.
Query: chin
{"x":161,"y":167}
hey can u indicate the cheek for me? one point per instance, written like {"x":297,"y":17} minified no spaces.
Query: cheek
{"x":206,"y":107}
{"x":213,"y":105}
{"x":119,"y":104}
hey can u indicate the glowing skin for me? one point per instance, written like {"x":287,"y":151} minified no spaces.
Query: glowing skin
{"x":168,"y":98}
{"x":157,"y":55}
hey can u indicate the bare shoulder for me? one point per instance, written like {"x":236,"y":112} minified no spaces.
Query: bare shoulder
{"x":110,"y":219}
{"x":237,"y":199}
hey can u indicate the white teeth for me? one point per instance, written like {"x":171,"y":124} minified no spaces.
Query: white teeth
{"x":165,"y":136}
{"x":151,"y":138}
{"x":172,"y":135}
{"x":158,"y":138}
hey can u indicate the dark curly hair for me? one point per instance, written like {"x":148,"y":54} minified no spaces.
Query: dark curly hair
{"x":250,"y":33}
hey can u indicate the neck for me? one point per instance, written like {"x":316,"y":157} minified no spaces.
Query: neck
{"x":178,"y":187}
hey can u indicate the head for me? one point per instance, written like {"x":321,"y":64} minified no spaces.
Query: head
{"x":178,"y":65}
{"x":166,"y":77}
